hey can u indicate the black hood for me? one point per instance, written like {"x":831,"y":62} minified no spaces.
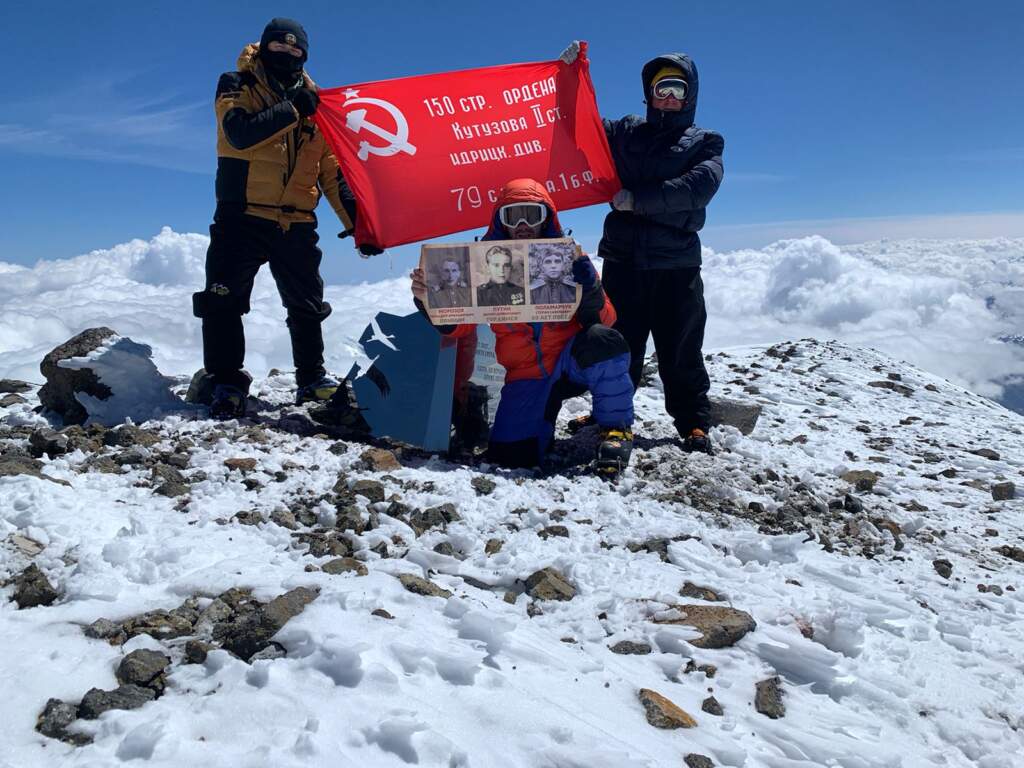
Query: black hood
{"x":684,"y":118}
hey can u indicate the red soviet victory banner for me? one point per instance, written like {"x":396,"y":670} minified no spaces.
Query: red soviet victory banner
{"x":425,"y":156}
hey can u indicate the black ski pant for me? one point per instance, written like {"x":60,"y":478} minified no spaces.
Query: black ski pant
{"x":667,"y":304}
{"x":239,"y":246}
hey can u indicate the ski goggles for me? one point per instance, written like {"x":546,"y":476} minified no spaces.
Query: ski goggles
{"x":670,"y":86}
{"x":514,"y":214}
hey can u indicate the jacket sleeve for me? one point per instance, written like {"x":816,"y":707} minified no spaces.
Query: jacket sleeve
{"x":689,"y":192}
{"x":337,"y":191}
{"x":245,"y":127}
{"x":595,"y":307}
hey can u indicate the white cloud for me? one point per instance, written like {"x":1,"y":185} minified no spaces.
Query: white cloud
{"x":941,"y":305}
{"x":105,"y":119}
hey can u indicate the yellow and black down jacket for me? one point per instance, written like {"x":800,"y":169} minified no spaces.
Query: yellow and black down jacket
{"x":271,"y":162}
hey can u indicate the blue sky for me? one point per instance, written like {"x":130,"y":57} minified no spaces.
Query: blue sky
{"x":857,"y":120}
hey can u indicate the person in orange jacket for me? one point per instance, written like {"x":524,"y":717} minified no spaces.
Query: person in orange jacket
{"x":547,"y":363}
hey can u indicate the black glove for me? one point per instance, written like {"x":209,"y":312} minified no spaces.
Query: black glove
{"x":370,"y":250}
{"x":305,"y":101}
{"x":346,"y":233}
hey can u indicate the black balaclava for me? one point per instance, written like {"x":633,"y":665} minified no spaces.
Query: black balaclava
{"x":281,"y":65}
{"x":671,"y":123}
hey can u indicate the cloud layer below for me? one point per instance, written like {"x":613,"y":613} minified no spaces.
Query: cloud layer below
{"x":941,"y":304}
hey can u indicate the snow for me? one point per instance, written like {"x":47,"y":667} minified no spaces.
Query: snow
{"x":884,"y":663}
{"x":139,"y":391}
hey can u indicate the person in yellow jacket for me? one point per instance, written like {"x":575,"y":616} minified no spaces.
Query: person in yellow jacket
{"x":273,"y":163}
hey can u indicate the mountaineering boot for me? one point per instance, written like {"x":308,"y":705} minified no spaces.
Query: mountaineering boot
{"x":341,"y":411}
{"x":228,"y":402}
{"x":613,"y":452}
{"x":580,"y":423}
{"x":698,"y":442}
{"x":320,"y":391}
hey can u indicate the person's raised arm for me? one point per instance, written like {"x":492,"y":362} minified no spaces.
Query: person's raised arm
{"x":244,"y":126}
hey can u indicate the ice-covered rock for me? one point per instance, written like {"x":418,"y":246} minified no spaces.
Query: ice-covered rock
{"x":99,"y":377}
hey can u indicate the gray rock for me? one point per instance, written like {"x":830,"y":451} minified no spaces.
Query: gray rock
{"x":344,"y":565}
{"x":53,"y":721}
{"x":172,"y":489}
{"x":629,"y":648}
{"x":131,"y":436}
{"x":271,"y":652}
{"x":549,"y":584}
{"x":1014,"y":553}
{"x":712,"y":706}
{"x":435,"y":517}
{"x":196,"y":651}
{"x":663,"y":713}
{"x":163,"y":625}
{"x":350,"y":519}
{"x":249,"y":630}
{"x":105,"y":629}
{"x":47,"y":442}
{"x":323,"y":544}
{"x":734,"y":413}
{"x":32,"y":588}
{"x":285,"y":518}
{"x":284,"y":607}
{"x":1003,"y":491}
{"x":559,"y":531}
{"x":143,"y":668}
{"x":371,"y":489}
{"x":943,"y":567}
{"x":693,"y":760}
{"x":20,"y":465}
{"x":493,"y":546}
{"x":691,"y":590}
{"x":58,"y":393}
{"x":420,"y":586}
{"x":13,"y":385}
{"x":8,"y":400}
{"x":892,"y":386}
{"x":482,"y":485}
{"x":986,"y":453}
{"x":379,"y":460}
{"x":861,"y":479}
{"x":852,"y":504}
{"x":720,"y":627}
{"x":445,"y":548}
{"x":768,"y":698}
{"x":96,"y":702}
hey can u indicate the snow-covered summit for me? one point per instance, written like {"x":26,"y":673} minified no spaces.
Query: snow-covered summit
{"x":871,"y":526}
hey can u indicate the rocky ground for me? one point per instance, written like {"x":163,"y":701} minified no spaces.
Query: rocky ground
{"x":840,"y":587}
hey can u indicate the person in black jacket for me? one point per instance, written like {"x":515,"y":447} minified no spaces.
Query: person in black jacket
{"x":273,"y":164}
{"x":670,"y":169}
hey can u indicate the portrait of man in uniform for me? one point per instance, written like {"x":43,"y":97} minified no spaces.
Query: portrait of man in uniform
{"x":450,"y":289}
{"x":551,"y":274}
{"x":500,"y":289}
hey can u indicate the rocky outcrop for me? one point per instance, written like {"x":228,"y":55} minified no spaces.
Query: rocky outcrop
{"x":58,"y":393}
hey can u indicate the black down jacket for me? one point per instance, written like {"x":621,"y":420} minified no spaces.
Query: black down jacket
{"x":673,"y":168}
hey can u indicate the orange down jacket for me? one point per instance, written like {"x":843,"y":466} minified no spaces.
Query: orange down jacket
{"x":530,"y":350}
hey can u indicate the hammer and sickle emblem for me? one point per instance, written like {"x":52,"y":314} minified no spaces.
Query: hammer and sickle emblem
{"x":397,"y":141}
